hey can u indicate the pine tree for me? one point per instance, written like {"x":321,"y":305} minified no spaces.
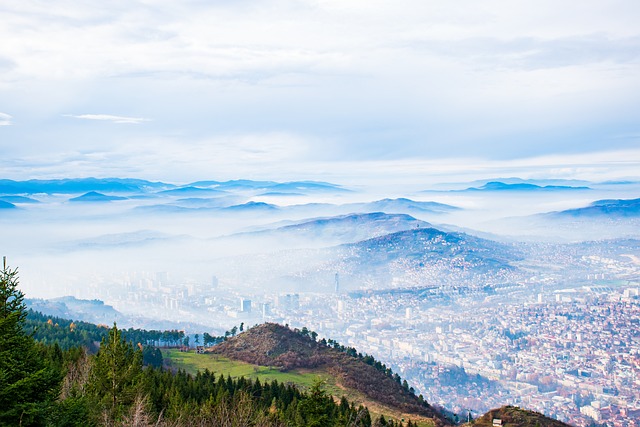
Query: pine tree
{"x":316,"y":408}
{"x":115,"y":378}
{"x":28,"y":383}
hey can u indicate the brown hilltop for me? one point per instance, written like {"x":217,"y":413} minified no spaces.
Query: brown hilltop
{"x":512,"y":416}
{"x":271,"y":344}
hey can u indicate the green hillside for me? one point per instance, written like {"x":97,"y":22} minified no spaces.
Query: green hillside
{"x":303,"y":379}
{"x":192,"y":362}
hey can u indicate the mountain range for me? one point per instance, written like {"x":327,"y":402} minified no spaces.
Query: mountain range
{"x":523,"y":186}
{"x":128,"y":185}
{"x":80,"y":185}
{"x":605,"y":208}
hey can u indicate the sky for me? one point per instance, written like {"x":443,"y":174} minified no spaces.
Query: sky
{"x":347,"y":91}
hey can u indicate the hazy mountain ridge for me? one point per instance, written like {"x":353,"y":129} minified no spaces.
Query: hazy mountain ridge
{"x":604,"y":219}
{"x":191,"y":191}
{"x":308,"y":211}
{"x":134,"y":238}
{"x":79,"y":185}
{"x":523,"y":186}
{"x":18,"y":199}
{"x":418,"y":257}
{"x":507,"y":181}
{"x":619,"y":208}
{"x":97,"y":312}
{"x":130,"y":185}
{"x":283,"y":187}
{"x":338,"y":229}
{"x":94,"y":196}
{"x":94,"y":311}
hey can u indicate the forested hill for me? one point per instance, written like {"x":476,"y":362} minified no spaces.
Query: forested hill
{"x":272,"y":344}
{"x":511,"y":416}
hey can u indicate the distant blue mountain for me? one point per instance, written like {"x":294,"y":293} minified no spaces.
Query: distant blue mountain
{"x":252,"y":206}
{"x":191,"y":191}
{"x":606,"y":208}
{"x":6,"y":205}
{"x":167,"y":209}
{"x":388,"y":206}
{"x":281,"y":187}
{"x":307,"y":186}
{"x":236,"y":184}
{"x":280,"y":194}
{"x":80,"y":185}
{"x":204,"y":184}
{"x":18,"y":199}
{"x":523,"y":186}
{"x":93,"y":196}
{"x":127,"y":185}
{"x":405,"y":205}
{"x":540,"y":182}
{"x":205,"y":202}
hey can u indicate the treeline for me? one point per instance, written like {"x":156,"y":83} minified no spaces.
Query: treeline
{"x":57,"y":382}
{"x":67,"y":333}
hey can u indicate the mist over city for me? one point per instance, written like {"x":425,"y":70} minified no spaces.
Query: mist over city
{"x":453,"y":189}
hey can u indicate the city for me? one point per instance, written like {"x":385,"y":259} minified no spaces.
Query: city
{"x":566,"y":344}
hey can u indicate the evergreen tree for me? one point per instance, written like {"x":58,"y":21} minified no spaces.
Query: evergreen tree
{"x":115,"y":377}
{"x":316,"y":409}
{"x":28,"y":383}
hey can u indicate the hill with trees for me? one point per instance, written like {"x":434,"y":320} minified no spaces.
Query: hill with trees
{"x":271,"y":344}
{"x":512,"y":416}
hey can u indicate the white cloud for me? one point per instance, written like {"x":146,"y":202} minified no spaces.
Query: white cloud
{"x":109,"y":118}
{"x":363,"y":80}
{"x":5,"y":119}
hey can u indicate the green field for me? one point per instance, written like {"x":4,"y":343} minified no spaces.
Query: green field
{"x":192,"y":362}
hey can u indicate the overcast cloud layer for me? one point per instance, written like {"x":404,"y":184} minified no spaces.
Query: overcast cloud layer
{"x":321,"y":89}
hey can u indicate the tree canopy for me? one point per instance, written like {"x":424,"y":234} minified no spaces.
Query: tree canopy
{"x":29,"y":383}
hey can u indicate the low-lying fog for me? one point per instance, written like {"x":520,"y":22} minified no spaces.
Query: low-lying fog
{"x":65,"y":247}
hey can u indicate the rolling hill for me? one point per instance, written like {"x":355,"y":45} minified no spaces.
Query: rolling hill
{"x":419,"y":257}
{"x":427,"y":256}
{"x":278,"y":346}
